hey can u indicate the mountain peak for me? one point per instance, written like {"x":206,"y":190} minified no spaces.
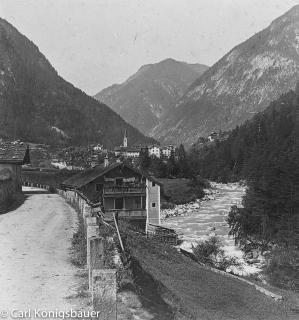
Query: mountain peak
{"x":169,"y":61}
{"x":240,"y":84}
{"x":289,"y":18}
{"x":148,"y":94}
{"x":293,"y":11}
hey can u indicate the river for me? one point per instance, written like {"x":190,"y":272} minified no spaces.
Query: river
{"x":202,"y":219}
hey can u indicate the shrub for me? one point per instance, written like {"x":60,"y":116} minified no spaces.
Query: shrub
{"x":210,"y":252}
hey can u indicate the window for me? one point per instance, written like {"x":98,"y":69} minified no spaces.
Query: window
{"x":137,"y":203}
{"x":153,"y":184}
{"x":119,"y":203}
{"x":99,"y":187}
{"x":153,"y":204}
{"x":119,"y":181}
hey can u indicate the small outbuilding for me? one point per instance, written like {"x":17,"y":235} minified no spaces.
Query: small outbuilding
{"x":12,"y":156}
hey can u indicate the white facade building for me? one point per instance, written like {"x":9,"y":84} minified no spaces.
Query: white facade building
{"x":167,"y":151}
{"x":154,"y":151}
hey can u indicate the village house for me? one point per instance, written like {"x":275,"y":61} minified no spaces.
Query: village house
{"x":12,"y":157}
{"x":167,"y":151}
{"x":120,"y":189}
{"x":154,"y":151}
{"x":98,"y":148}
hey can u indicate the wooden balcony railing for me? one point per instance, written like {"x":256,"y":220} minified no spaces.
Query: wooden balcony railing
{"x":124,"y":189}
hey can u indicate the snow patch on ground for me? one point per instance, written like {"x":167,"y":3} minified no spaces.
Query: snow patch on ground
{"x":59,"y":131}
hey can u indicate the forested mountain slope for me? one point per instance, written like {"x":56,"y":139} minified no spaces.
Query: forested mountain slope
{"x":265,"y":152}
{"x":37,"y":105}
{"x":257,"y":144}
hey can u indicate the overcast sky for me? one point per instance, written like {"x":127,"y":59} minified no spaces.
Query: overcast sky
{"x":95,"y":43}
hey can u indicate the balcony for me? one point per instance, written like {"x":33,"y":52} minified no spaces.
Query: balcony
{"x":124,"y":190}
{"x":134,"y":214}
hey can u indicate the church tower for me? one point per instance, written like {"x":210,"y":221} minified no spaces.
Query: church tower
{"x":125,"y":144}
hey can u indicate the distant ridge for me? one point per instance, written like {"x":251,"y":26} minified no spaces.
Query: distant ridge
{"x":239,"y":85}
{"x":151,"y":92}
{"x":37,"y":105}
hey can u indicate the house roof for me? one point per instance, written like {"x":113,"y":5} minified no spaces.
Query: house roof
{"x":86,"y":176}
{"x":14,"y":152}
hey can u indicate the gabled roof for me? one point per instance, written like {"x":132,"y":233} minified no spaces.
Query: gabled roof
{"x":81,"y":179}
{"x":14,"y":152}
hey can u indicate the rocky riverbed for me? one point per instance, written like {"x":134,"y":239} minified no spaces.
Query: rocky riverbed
{"x":206,"y":217}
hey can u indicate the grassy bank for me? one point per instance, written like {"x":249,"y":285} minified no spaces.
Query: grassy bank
{"x":79,"y":246}
{"x":194,"y":292}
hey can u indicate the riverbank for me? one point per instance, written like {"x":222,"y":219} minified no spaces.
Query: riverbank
{"x":194,"y":292}
{"x":204,"y":218}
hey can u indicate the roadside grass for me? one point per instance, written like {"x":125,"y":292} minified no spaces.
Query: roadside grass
{"x":195,"y":292}
{"x":79,"y":245}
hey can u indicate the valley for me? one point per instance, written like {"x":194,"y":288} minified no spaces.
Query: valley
{"x":172,"y":194}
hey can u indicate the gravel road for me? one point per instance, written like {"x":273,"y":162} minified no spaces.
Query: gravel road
{"x":35,"y":268}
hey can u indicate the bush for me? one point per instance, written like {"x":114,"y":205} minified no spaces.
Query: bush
{"x":209,"y":252}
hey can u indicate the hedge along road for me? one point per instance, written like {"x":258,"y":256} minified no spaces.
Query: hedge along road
{"x":35,"y":267}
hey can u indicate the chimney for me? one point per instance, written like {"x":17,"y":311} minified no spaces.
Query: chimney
{"x":106,"y":161}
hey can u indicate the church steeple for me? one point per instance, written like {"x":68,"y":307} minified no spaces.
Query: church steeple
{"x":125,"y":143}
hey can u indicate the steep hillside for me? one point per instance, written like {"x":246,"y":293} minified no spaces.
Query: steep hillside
{"x":151,"y":92}
{"x":264,"y":151}
{"x":240,"y":84}
{"x":261,"y":143}
{"x":39,"y":106}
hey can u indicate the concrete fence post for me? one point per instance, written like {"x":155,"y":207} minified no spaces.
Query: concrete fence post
{"x":91,"y":232}
{"x":104,"y":293}
{"x":87,"y":214}
{"x":96,"y":246}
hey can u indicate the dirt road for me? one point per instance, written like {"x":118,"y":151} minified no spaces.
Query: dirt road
{"x":35,"y":267}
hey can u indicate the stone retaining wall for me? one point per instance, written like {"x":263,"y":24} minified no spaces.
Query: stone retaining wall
{"x":102,"y":282}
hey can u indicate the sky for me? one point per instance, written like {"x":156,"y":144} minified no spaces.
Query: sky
{"x":96,"y":43}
